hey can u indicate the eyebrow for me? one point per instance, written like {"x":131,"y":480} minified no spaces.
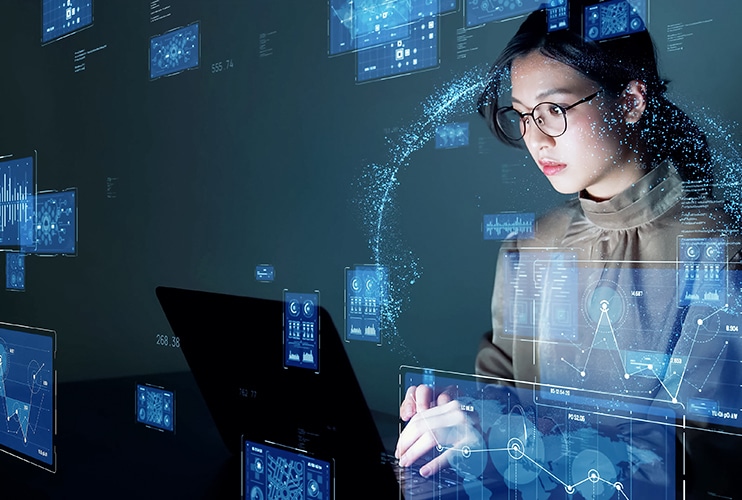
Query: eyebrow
{"x":549,"y":92}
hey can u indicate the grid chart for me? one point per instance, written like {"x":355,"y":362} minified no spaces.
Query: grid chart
{"x":417,"y":52}
{"x":16,"y":202}
{"x":174,"y":52}
{"x":155,"y":407}
{"x":272,"y":472}
{"x":301,"y":330}
{"x":60,"y":18}
{"x":27,"y":394}
{"x":615,"y":18}
{"x":15,"y":271}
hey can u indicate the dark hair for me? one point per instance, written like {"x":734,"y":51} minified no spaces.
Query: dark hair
{"x":665,"y":131}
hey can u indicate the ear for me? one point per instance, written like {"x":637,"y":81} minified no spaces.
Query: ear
{"x":634,"y":101}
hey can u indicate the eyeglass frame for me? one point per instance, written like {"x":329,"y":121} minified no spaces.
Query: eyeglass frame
{"x":564,"y":110}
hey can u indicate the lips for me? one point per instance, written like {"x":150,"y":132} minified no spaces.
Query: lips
{"x":551,"y":167}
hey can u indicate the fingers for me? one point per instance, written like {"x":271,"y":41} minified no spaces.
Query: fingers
{"x":417,"y":398}
{"x":426,"y":430}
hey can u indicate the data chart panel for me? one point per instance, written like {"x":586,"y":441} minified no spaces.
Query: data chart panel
{"x":155,"y":407}
{"x":18,"y":176}
{"x":15,"y":271}
{"x":509,"y":225}
{"x":301,"y":330}
{"x":615,"y":18}
{"x":175,"y":51}
{"x":274,"y":471}
{"x":416,"y":51}
{"x":366,"y":294}
{"x":27,"y":397}
{"x":452,"y":135}
{"x":511,"y":444}
{"x":60,"y":18}
{"x":55,"y":224}
{"x":486,"y":11}
{"x":367,"y":23}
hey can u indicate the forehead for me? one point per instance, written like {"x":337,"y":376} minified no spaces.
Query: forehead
{"x":535,"y":75}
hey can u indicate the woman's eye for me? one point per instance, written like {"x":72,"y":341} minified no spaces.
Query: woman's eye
{"x":556,"y":110}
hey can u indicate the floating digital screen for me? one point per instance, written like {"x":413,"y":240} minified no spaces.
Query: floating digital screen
{"x":622,"y":328}
{"x":27,"y":394}
{"x":17,"y":202}
{"x":15,"y":271}
{"x":60,"y":18}
{"x":265,"y":273}
{"x":509,"y":225}
{"x":155,"y":407}
{"x":452,"y":135}
{"x":366,"y":292}
{"x":175,"y":51}
{"x":416,"y":51}
{"x":301,"y":330}
{"x":55,"y":224}
{"x":524,"y":447}
{"x":701,"y":277}
{"x":486,"y":11}
{"x":615,"y":18}
{"x":368,"y":23}
{"x":274,"y":471}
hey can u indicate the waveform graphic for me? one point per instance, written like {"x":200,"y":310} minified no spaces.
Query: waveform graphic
{"x":502,"y":226}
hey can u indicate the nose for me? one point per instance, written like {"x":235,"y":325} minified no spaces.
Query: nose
{"x":536,"y":139}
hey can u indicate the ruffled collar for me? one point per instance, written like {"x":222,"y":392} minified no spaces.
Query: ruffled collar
{"x":645,"y":200}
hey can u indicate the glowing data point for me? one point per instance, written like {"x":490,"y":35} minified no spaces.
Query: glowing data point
{"x":618,"y":486}
{"x":439,"y":447}
{"x":699,"y":322}
{"x":582,"y":373}
{"x":466,"y":451}
{"x":570,"y":490}
{"x":674,"y":400}
{"x":593,"y":475}
{"x":626,"y":375}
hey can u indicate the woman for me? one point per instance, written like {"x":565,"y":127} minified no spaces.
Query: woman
{"x":595,"y":120}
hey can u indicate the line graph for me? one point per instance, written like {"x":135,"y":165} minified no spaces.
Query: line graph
{"x":27,"y":393}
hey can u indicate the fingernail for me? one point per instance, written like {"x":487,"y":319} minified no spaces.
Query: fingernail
{"x":425,"y":471}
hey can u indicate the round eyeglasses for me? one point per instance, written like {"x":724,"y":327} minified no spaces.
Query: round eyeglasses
{"x":549,"y":117}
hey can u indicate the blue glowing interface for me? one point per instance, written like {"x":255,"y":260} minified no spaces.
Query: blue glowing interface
{"x":301,"y":330}
{"x":416,"y":51}
{"x":174,"y":51}
{"x":615,"y":18}
{"x":155,"y":407}
{"x":486,"y":11}
{"x":63,"y":17}
{"x":452,"y":135}
{"x":15,"y":271}
{"x":55,"y":224}
{"x":366,"y":292}
{"x":701,"y":276}
{"x":446,"y":6}
{"x":367,"y":23}
{"x":601,"y":327}
{"x":27,"y":396}
{"x":17,"y":202}
{"x":278,"y":472}
{"x":524,"y":448}
{"x":265,"y":273}
{"x":507,"y":225}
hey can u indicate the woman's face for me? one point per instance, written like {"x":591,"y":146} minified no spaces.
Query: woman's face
{"x":593,"y":153}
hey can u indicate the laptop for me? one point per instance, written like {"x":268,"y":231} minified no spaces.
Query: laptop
{"x":235,"y":347}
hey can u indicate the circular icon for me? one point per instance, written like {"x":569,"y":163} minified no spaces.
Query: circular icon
{"x":142,"y":414}
{"x":166,"y":421}
{"x":692,"y":252}
{"x":308,"y":308}
{"x":713,"y":252}
{"x":593,"y":32}
{"x":258,"y":465}
{"x":370,"y":285}
{"x":355,"y":284}
{"x":294,"y":308}
{"x":636,"y":24}
{"x":256,"y":493}
{"x":313,"y":488}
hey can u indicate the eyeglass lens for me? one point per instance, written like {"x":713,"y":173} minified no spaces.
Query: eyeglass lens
{"x":550,"y":118}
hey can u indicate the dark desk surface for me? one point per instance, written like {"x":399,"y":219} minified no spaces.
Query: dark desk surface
{"x":103,"y":452}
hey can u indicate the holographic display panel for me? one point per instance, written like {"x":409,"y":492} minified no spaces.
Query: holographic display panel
{"x":416,"y":51}
{"x":367,"y":23}
{"x":55,"y":224}
{"x":270,"y":471}
{"x":514,"y":445}
{"x":301,"y":330}
{"x":366,"y":294}
{"x":509,"y":225}
{"x":15,"y":271}
{"x":155,"y":407}
{"x":452,"y":135}
{"x":175,"y":51}
{"x":486,"y":11}
{"x":17,"y":202}
{"x":615,"y":18}
{"x":265,"y":273}
{"x":60,"y":18}
{"x":27,"y":398}
{"x":628,"y":331}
